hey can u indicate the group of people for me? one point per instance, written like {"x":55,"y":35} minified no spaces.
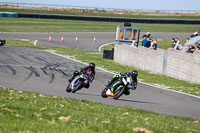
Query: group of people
{"x":148,"y":42}
{"x":176,"y":44}
{"x":195,"y":48}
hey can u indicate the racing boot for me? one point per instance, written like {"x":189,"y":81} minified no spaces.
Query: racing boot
{"x":74,"y":74}
{"x":134,"y":85}
{"x":70,"y":80}
{"x":127,"y":92}
{"x":87,"y":84}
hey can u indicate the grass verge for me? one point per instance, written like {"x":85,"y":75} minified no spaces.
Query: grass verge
{"x":165,"y":44}
{"x":27,"y":112}
{"x":162,"y":44}
{"x":53,"y":25}
{"x":160,"y":81}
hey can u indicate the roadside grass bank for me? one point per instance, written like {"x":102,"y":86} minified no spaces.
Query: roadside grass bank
{"x":162,"y":44}
{"x":53,"y":25}
{"x":157,"y":80}
{"x":102,"y":13}
{"x":28,"y":112}
{"x":165,"y":43}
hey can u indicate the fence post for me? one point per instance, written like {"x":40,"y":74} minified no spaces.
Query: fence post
{"x":165,"y":62}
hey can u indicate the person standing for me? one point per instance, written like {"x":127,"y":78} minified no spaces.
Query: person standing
{"x":178,"y":45}
{"x":154,"y":44}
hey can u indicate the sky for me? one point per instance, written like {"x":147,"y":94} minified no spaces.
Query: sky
{"x":122,"y":4}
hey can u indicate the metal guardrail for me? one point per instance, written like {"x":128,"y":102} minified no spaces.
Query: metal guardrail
{"x":97,"y":8}
{"x":9,"y":14}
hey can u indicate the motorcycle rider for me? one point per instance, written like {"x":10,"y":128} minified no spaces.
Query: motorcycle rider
{"x":90,"y":71}
{"x":132,"y":83}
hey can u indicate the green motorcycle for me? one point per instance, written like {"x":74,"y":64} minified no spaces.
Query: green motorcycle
{"x":119,"y":87}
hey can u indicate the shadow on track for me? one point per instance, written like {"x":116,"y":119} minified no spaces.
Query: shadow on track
{"x":125,"y":100}
{"x":134,"y":101}
{"x":87,"y":94}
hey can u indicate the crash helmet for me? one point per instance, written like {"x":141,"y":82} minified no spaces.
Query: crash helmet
{"x":134,"y":74}
{"x":92,"y":65}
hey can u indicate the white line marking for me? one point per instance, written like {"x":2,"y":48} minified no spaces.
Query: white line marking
{"x":117,"y":72}
{"x":105,"y":45}
{"x":24,"y":39}
{"x":35,"y":42}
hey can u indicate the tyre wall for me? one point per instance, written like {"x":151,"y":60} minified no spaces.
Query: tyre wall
{"x":9,"y":14}
{"x":172,"y":63}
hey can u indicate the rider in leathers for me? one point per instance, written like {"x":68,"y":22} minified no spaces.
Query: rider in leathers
{"x":90,"y":71}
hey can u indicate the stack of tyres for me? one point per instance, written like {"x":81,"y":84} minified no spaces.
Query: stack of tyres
{"x":2,"y":42}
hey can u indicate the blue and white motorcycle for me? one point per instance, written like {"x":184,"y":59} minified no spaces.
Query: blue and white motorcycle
{"x":79,"y":81}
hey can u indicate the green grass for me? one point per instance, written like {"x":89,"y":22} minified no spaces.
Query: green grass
{"x":27,"y":112}
{"x":166,"y":43}
{"x":108,"y":47}
{"x":154,"y":79}
{"x":53,"y":25}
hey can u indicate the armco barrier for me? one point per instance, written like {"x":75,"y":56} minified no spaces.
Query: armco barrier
{"x":150,"y":21}
{"x":9,"y":14}
{"x":180,"y":65}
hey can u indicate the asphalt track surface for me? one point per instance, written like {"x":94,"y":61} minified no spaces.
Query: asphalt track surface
{"x":41,"y":71}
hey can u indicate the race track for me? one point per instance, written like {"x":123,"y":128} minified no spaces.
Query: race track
{"x":41,"y":71}
{"x":85,"y":39}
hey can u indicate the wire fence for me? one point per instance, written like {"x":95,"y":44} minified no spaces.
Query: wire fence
{"x":85,"y":9}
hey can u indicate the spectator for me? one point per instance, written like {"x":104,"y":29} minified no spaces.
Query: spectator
{"x":154,"y":44}
{"x":121,"y":35}
{"x":191,"y":49}
{"x":187,"y":39}
{"x":149,"y":43}
{"x":173,"y":43}
{"x":147,"y":35}
{"x":197,"y":46}
{"x":145,"y":42}
{"x":178,"y":45}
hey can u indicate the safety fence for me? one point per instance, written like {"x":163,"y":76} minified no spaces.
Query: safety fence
{"x":108,"y":19}
{"x":173,"y":63}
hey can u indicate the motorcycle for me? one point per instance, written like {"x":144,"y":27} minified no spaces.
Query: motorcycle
{"x":119,"y":87}
{"x":78,"y":82}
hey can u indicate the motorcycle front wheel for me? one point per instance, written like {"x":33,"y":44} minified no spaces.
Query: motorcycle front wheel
{"x":103,"y":93}
{"x":119,"y":90}
{"x":68,"y":89}
{"x":77,"y":87}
